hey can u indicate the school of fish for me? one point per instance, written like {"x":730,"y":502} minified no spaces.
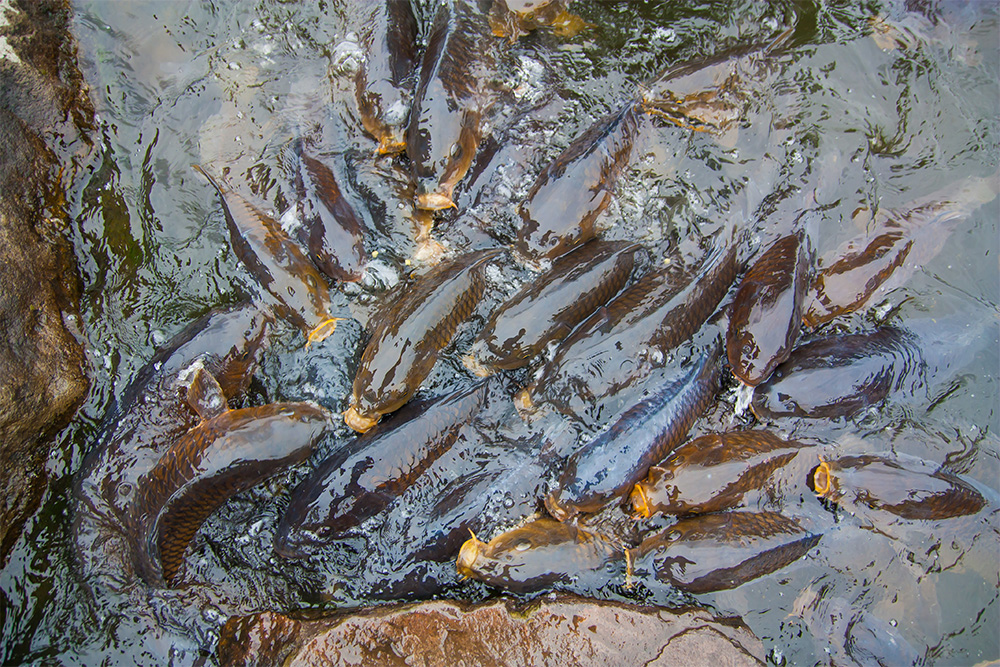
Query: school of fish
{"x":624,"y":351}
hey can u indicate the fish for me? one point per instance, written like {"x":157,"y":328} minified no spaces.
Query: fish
{"x":847,"y":283}
{"x":330,"y":227}
{"x":513,"y":18}
{"x":620,"y":344}
{"x":361,"y":479}
{"x":415,"y":327}
{"x":485,"y":481}
{"x":841,"y":375}
{"x":540,"y":554}
{"x":549,"y":308}
{"x":610,"y":464}
{"x":213,"y":461}
{"x":712,"y":473}
{"x":278,"y":264}
{"x":905,"y":240}
{"x":715,"y":552}
{"x":446,"y":120}
{"x":860,"y":483}
{"x":766,"y":314}
{"x":564,"y":202}
{"x":384,"y":82}
{"x":166,"y":397}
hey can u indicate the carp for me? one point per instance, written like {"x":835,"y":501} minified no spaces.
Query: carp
{"x":539,"y":554}
{"x":610,"y":464}
{"x":549,"y":308}
{"x":571,"y":192}
{"x":414,"y":328}
{"x":278,"y":265}
{"x":860,"y":483}
{"x":715,"y":552}
{"x":218,"y":458}
{"x":712,"y":473}
{"x":361,"y":479}
{"x":766,"y":314}
{"x":383,"y":84}
{"x":446,"y":120}
{"x":838,"y":376}
{"x":329,"y":225}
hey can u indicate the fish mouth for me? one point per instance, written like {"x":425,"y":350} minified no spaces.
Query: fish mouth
{"x":640,"y":502}
{"x":558,"y":512}
{"x":435,"y":201}
{"x":467,"y":556}
{"x":390,"y":144}
{"x":478,"y":368}
{"x":358,"y":421}
{"x":822,"y":479}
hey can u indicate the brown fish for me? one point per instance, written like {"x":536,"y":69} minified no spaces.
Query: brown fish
{"x":329,"y":226}
{"x":840,"y":375}
{"x":623,"y":342}
{"x":386,"y":78}
{"x":858,"y":483}
{"x":574,"y":189}
{"x":610,"y":464}
{"x":712,"y":473}
{"x":206,"y":466}
{"x":537,"y":555}
{"x":766,"y":314}
{"x":907,"y":238}
{"x":451,"y":98}
{"x":551,"y":306}
{"x":710,"y":94}
{"x":514,"y":18}
{"x":278,"y":264}
{"x":715,"y":552}
{"x":405,"y":346}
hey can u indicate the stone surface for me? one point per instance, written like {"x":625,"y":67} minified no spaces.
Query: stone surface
{"x":43,"y":106}
{"x":557,"y":630}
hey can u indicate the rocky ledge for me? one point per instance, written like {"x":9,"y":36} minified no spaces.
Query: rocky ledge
{"x":554,"y":630}
{"x":44,"y":115}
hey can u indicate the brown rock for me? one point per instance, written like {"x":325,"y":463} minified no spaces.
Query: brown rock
{"x":42,"y":378}
{"x":563,"y":630}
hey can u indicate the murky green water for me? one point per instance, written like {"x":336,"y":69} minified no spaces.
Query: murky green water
{"x":871,"y":106}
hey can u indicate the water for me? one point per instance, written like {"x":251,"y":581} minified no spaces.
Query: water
{"x":872,"y":106}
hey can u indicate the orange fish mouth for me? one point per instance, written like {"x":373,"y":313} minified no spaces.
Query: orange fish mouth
{"x":822,"y":479}
{"x":468,"y":555}
{"x":358,"y":421}
{"x":640,"y":502}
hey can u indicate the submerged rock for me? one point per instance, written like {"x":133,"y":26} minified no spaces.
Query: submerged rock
{"x":563,"y":630}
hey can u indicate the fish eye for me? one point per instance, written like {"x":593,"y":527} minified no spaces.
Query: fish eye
{"x":523,"y":545}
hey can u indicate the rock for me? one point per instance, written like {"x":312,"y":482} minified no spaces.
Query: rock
{"x":557,"y":630}
{"x":43,"y":111}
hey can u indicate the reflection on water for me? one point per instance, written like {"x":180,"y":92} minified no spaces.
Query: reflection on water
{"x":861,"y":109}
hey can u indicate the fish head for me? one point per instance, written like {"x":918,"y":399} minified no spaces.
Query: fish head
{"x":533,"y":556}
